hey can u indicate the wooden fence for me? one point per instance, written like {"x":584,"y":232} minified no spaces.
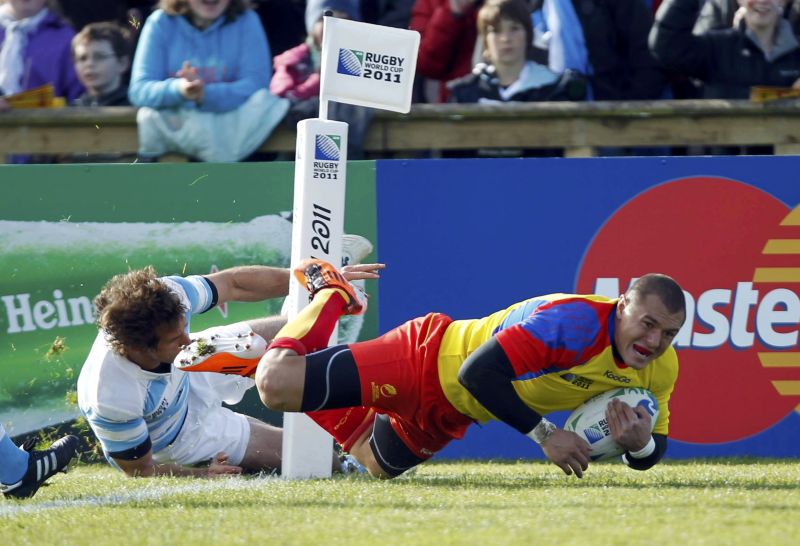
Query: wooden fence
{"x":579,"y":129}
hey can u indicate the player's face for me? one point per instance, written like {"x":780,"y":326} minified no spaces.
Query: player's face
{"x":204,"y":12}
{"x":170,"y":340}
{"x":506,"y":42}
{"x":644,"y":329}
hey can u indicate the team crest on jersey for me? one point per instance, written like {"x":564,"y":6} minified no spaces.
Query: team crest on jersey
{"x":383,"y":391}
{"x":577,"y":380}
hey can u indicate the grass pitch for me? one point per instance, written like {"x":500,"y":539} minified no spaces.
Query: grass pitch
{"x":494,"y":504}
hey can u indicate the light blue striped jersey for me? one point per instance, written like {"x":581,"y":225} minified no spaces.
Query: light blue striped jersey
{"x":124,"y":404}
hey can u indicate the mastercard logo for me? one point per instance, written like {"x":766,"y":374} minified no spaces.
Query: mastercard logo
{"x":735,"y":250}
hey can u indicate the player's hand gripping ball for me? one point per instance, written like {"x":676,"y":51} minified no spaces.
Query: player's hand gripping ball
{"x":590,"y":423}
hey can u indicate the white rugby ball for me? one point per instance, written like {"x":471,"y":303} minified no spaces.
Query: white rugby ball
{"x":589,"y":419}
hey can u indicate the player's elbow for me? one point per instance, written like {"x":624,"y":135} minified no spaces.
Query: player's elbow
{"x":138,"y":470}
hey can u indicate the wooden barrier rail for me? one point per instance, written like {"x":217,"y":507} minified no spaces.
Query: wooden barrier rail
{"x":577,"y":128}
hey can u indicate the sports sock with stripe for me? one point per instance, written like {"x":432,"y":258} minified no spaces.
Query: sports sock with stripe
{"x":13,"y":460}
{"x":311,"y":329}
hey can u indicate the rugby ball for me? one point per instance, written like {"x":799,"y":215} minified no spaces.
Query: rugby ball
{"x":589,"y":419}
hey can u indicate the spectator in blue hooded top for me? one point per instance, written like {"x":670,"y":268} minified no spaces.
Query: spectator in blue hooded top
{"x":212,"y":56}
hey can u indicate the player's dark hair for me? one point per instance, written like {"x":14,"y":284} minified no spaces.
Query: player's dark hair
{"x":181,"y":7}
{"x":663,"y":286}
{"x":131,"y":306}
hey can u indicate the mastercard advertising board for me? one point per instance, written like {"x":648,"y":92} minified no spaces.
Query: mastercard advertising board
{"x":727,"y":229}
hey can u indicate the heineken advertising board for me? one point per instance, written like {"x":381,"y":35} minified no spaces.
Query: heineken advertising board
{"x":66,"y":229}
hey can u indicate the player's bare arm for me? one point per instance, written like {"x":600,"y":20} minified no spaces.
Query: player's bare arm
{"x":487,"y":374}
{"x":145,"y":467}
{"x":258,"y":282}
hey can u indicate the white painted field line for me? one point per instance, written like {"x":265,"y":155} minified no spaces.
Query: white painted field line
{"x":148,"y":493}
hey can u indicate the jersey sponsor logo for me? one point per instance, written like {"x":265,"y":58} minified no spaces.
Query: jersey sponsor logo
{"x":577,"y":380}
{"x":162,"y":407}
{"x":615,"y":377}
{"x":386,"y":391}
{"x":343,"y":420}
{"x":735,"y":250}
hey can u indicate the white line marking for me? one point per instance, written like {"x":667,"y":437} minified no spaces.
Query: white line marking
{"x":148,"y":493}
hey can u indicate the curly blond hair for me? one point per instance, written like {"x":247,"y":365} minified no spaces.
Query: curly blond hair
{"x":131,"y":306}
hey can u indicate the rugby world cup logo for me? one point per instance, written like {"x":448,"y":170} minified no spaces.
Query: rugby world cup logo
{"x":735,"y":250}
{"x":327,"y":147}
{"x":351,"y":62}
{"x":594,"y":434}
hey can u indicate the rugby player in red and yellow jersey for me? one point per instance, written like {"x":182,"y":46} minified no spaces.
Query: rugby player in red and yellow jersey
{"x":394,"y":401}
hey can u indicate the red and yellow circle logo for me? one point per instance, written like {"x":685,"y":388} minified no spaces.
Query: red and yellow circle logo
{"x":735,"y":250}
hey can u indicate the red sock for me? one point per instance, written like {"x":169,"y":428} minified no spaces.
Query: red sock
{"x":313,"y":326}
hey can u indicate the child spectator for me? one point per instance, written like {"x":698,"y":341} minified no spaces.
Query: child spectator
{"x":505,"y":29}
{"x":449,"y":35}
{"x":102,"y":58}
{"x":35,"y":49}
{"x":297,"y":71}
{"x":208,"y":56}
{"x":201,"y":72}
{"x":297,"y":75}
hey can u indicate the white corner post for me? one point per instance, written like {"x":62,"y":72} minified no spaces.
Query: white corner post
{"x":318,"y":210}
{"x":364,"y":65}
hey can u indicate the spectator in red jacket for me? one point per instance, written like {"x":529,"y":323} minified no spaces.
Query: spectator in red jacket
{"x":449,"y":38}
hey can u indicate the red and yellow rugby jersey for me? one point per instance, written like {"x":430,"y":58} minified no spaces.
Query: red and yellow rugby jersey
{"x":561,"y":349}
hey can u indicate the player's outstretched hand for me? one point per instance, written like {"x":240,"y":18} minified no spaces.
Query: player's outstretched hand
{"x":220,"y":466}
{"x":568,"y":451}
{"x":630,"y":427}
{"x":362,"y":271}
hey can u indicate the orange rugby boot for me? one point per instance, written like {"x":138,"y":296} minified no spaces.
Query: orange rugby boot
{"x":317,"y":274}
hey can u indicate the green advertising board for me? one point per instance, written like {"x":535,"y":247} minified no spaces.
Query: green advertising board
{"x":66,"y":229}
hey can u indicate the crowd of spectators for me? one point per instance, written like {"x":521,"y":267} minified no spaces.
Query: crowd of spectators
{"x":210,"y":65}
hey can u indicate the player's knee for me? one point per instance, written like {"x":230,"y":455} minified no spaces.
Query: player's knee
{"x":273,"y":384}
